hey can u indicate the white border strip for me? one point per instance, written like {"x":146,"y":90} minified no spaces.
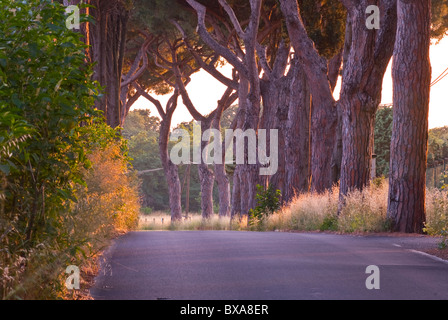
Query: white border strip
{"x":430,"y":256}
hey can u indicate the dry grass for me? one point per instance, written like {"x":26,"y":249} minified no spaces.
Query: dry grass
{"x":364,"y":211}
{"x":162,"y":221}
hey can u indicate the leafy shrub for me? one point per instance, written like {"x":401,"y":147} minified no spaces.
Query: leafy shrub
{"x":268,"y":202}
{"x":437,"y":215}
{"x":51,"y":142}
{"x":330,"y":222}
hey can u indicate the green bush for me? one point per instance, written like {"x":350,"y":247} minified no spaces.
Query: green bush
{"x":330,"y":222}
{"x":268,"y":202}
{"x":49,"y":131}
{"x":437,"y":215}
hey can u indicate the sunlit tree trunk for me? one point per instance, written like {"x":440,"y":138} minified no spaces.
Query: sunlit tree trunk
{"x":366,"y":59}
{"x":411,"y":74}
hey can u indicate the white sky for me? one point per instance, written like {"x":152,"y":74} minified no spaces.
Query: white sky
{"x":205,"y":91}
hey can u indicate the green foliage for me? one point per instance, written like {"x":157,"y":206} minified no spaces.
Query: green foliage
{"x":48,"y":132}
{"x":141,"y":131}
{"x":437,"y":215}
{"x":383,"y":134}
{"x":439,"y":19}
{"x":268,"y":202}
{"x":325,"y":24}
{"x":155,"y":16}
{"x":330,"y":222}
{"x":437,"y":149}
{"x":437,"y":146}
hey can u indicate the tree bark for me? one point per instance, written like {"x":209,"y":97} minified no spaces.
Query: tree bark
{"x":286,"y":108}
{"x":323,"y":113}
{"x":249,"y":95}
{"x":107,"y":37}
{"x":171,"y":171}
{"x":365,"y":63}
{"x":222,"y":179}
{"x":411,"y":76}
{"x":297,"y":134}
{"x":206,"y":177}
{"x":237,"y":177}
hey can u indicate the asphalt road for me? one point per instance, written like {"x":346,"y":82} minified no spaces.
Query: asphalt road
{"x":226,"y":265}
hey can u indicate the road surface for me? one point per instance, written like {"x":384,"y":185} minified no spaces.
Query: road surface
{"x":230,"y":265}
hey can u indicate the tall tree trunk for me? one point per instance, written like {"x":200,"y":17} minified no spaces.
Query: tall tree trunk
{"x":334,"y":66}
{"x":365,"y":62}
{"x":206,"y":177}
{"x":297,"y":134}
{"x":237,"y":177}
{"x":411,"y":76}
{"x":223,"y":183}
{"x":324,"y":121}
{"x":274,"y":112}
{"x":171,"y":171}
{"x":222,"y":179}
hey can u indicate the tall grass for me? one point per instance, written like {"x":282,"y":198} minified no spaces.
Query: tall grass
{"x":437,"y":214}
{"x":162,"y":221}
{"x":364,"y":211}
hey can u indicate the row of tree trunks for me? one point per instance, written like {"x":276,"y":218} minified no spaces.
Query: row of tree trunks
{"x":324,"y":113}
{"x":286,"y":108}
{"x":107,"y":38}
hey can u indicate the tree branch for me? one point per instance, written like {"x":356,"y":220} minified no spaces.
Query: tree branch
{"x":154,"y":101}
{"x":209,"y":67}
{"x":212,"y":43}
{"x":233,"y":18}
{"x":134,"y":75}
{"x":261,"y":50}
{"x":313,"y":64}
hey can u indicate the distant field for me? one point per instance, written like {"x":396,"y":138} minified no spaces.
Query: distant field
{"x":162,"y":221}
